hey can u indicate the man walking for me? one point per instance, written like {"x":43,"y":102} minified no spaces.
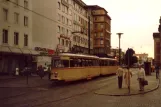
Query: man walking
{"x":120,"y":76}
{"x":141,"y":77}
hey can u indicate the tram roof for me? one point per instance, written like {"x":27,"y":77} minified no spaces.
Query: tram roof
{"x":78,"y":56}
{"x":112,"y":59}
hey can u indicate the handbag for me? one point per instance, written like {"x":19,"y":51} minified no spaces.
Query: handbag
{"x":145,"y":82}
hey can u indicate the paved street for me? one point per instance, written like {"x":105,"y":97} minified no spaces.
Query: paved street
{"x":80,"y":94}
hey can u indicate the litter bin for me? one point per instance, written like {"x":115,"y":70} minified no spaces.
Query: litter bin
{"x":147,"y":67}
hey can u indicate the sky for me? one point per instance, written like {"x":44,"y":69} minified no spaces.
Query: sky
{"x":137,"y":19}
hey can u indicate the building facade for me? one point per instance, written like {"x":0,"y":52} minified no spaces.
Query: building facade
{"x":64,"y":25}
{"x":156,"y":37}
{"x":101,"y":30}
{"x":142,"y":58}
{"x":157,"y":45}
{"x":81,"y":19}
{"x":44,"y":28}
{"x":15,"y":35}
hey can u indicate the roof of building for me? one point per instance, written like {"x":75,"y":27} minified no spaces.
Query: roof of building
{"x":97,"y":7}
{"x":156,"y":35}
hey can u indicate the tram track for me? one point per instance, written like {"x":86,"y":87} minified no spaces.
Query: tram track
{"x":105,"y":81}
{"x":45,"y":96}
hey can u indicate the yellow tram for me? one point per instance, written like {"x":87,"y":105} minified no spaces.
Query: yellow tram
{"x":72,"y":67}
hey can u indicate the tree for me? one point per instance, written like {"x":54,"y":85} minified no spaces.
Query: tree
{"x":129,"y":57}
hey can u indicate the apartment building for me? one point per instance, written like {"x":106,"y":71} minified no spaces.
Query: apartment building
{"x":101,"y":30}
{"x":44,"y":30}
{"x":81,"y":36}
{"x":64,"y":25}
{"x":15,"y":35}
{"x":157,"y":45}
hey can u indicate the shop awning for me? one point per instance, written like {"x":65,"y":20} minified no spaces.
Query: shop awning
{"x":26,"y":51}
{"x":33,"y":52}
{"x":15,"y":50}
{"x":4,"y":49}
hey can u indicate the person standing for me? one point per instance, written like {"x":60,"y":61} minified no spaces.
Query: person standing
{"x":157,"y":71}
{"x":141,"y":78}
{"x":120,"y":76}
{"x":49,"y":72}
{"x":127,"y":77}
{"x":41,"y":71}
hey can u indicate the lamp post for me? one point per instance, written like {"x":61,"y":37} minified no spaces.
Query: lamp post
{"x":119,"y":35}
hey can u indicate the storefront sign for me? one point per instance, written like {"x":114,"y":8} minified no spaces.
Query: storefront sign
{"x":44,"y":51}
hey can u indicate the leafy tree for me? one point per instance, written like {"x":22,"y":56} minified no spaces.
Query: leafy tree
{"x":130,"y":58}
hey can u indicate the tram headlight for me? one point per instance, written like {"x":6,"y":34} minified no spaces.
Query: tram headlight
{"x":55,"y":74}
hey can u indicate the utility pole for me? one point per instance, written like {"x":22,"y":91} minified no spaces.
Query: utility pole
{"x":89,"y":35}
{"x":128,"y":71}
{"x":119,"y":34}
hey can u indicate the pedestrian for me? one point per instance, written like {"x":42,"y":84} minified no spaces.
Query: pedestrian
{"x":152,"y":68}
{"x":120,"y":76}
{"x":141,"y":78}
{"x":127,"y":77}
{"x":157,"y":71}
{"x":41,"y":71}
{"x":49,"y":72}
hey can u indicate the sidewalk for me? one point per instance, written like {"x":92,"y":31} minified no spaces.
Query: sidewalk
{"x":113,"y":89}
{"x":21,"y":82}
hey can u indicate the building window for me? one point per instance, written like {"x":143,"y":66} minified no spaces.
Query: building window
{"x":25,"y":21}
{"x":95,"y":34}
{"x":25,"y":40}
{"x":63,"y":8}
{"x":66,"y":43}
{"x":101,"y":26}
{"x":67,"y":21}
{"x":5,"y":14}
{"x":59,"y":17}
{"x":58,"y":29}
{"x":67,"y":32}
{"x":16,"y":2}
{"x":25,"y":4}
{"x":16,"y":15}
{"x":101,"y":42}
{"x":59,"y":6}
{"x":101,"y":34}
{"x":16,"y":38}
{"x":63,"y":42}
{"x":63,"y":19}
{"x":5,"y":36}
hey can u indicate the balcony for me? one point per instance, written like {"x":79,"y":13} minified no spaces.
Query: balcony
{"x":65,"y":3}
{"x":98,"y":30}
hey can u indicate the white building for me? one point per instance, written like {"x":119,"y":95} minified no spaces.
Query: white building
{"x":44,"y":29}
{"x":64,"y":25}
{"x":41,"y":27}
{"x":80,"y":24}
{"x":15,"y":35}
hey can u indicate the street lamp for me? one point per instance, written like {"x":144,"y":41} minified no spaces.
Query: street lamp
{"x":119,"y":35}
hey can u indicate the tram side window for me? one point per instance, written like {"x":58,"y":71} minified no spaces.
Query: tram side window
{"x":57,"y":64}
{"x":75,"y":63}
{"x":65,"y":63}
{"x":112,"y":63}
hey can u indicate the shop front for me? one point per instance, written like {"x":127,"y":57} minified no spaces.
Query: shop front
{"x":12,"y":58}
